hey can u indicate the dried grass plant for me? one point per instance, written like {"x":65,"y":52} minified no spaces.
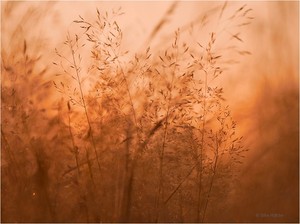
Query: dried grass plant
{"x":154,"y":110}
{"x":138,"y":137}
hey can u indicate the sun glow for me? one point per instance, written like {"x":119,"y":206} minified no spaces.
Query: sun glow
{"x":149,"y":111}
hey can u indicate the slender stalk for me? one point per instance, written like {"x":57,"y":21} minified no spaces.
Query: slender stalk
{"x":161,"y":161}
{"x":128,"y":91}
{"x":127,"y":180}
{"x":89,"y":166}
{"x":212,"y":178}
{"x":160,"y":191}
{"x":199,"y":159}
{"x":118,"y":188}
{"x":130,"y":174}
{"x":91,"y":134}
{"x":182,"y":182}
{"x":75,"y":148}
{"x":75,"y":152}
{"x":200,"y":167}
{"x":162,"y":22}
{"x":134,"y":160}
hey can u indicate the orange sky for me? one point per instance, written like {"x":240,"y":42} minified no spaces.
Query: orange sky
{"x":258,"y":88}
{"x":272,"y":38}
{"x":273,"y":20}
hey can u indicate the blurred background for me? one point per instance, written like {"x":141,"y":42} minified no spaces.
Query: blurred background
{"x":262,"y":87}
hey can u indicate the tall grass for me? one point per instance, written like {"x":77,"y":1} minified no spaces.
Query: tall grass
{"x":170,"y":92}
{"x":138,"y":137}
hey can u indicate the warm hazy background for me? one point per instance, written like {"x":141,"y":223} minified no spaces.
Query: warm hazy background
{"x":262,"y":89}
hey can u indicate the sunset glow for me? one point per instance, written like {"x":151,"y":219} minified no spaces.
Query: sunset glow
{"x":162,"y":111}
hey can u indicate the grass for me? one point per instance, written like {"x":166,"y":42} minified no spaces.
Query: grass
{"x":147,"y":138}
